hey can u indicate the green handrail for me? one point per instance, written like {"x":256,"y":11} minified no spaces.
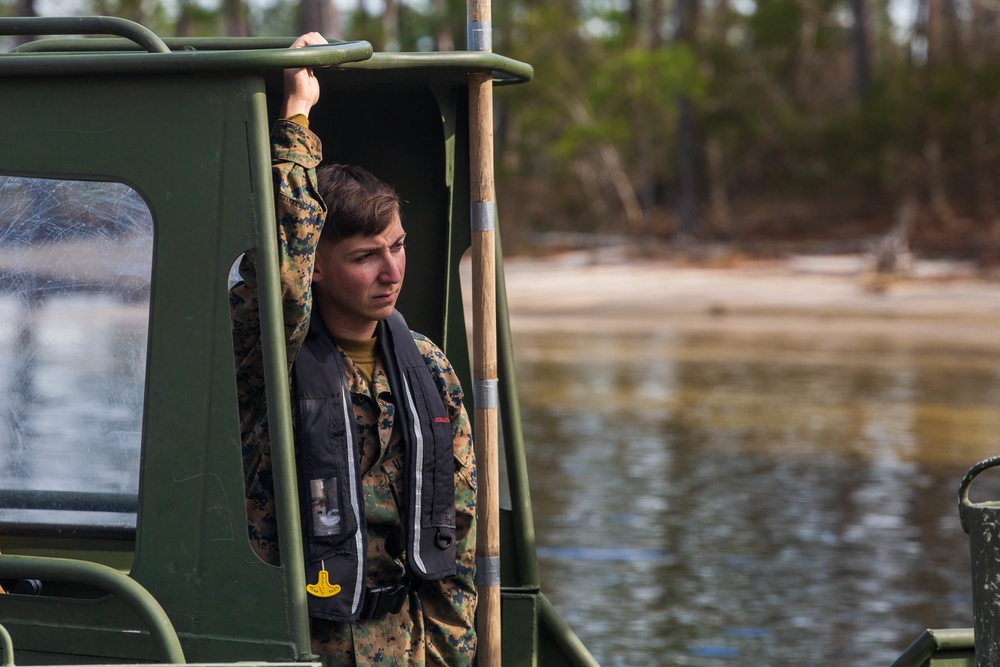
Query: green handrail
{"x":934,"y":642}
{"x":40,"y":61}
{"x":510,"y":419}
{"x":218,"y":53}
{"x":84,"y":25}
{"x":104,"y":578}
{"x":8,"y":647}
{"x":278,"y":394}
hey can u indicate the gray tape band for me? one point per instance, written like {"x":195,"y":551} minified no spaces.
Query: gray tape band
{"x":479,"y":35}
{"x":485,"y":394}
{"x":484,"y":216}
{"x":488,"y":571}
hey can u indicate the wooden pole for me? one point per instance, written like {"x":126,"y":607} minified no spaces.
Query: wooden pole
{"x":485,"y":430}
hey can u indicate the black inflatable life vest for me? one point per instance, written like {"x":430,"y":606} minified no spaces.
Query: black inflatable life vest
{"x":329,"y":470}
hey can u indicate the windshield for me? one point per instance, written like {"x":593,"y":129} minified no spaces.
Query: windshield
{"x":75,"y":264}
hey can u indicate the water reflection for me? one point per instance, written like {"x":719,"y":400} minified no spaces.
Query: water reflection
{"x":723,"y":499}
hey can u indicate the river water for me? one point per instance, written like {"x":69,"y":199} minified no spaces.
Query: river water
{"x":773,"y":494}
{"x":713,"y":498}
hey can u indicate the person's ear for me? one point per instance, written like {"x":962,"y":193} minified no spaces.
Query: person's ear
{"x":318,"y":262}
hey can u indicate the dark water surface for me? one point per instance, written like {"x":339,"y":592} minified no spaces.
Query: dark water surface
{"x":713,"y":499}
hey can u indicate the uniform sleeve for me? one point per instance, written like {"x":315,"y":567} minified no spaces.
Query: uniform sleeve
{"x":449,"y":605}
{"x":299,"y":214}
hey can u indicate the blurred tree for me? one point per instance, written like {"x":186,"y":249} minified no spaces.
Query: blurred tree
{"x":320,"y":16}
{"x":24,"y":8}
{"x":390,"y":25}
{"x":687,"y":141}
{"x":236,"y":17}
{"x":859,"y":39}
{"x":777,"y":118}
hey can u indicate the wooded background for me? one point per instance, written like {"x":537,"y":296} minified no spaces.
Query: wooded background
{"x":762,"y":125}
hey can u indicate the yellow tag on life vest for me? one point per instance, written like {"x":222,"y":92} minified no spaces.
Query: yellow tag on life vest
{"x":323,"y":588}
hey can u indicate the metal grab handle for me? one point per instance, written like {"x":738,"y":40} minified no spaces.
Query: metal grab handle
{"x":107,"y":579}
{"x":8,"y":647}
{"x":84,"y":25}
{"x":964,"y":504}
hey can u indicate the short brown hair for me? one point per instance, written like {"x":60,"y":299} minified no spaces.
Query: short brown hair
{"x":358,"y":203}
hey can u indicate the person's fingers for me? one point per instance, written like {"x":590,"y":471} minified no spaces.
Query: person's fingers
{"x":308,"y":39}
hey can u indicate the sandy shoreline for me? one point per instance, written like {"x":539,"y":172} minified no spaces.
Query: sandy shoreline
{"x":939,"y":302}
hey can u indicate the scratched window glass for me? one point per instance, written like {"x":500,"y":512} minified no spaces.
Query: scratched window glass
{"x":75,"y":264}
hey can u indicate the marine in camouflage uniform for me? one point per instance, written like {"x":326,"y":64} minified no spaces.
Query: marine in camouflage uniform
{"x":436,"y":625}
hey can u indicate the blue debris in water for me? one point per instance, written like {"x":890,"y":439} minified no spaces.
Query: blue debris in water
{"x":752,"y":633}
{"x":601,"y":554}
{"x":715,"y":651}
{"x":740,"y":561}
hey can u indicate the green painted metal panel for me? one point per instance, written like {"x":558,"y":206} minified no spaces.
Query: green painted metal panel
{"x":519,"y":621}
{"x":182,"y":143}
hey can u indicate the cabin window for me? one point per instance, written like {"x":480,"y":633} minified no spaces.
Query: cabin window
{"x":75,"y":266}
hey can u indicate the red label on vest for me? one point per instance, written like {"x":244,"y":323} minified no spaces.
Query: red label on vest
{"x":442,"y":420}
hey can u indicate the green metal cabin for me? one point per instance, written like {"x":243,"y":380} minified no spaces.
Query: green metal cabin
{"x":133,"y":174}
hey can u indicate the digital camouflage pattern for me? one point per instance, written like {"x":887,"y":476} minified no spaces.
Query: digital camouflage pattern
{"x":437,"y":624}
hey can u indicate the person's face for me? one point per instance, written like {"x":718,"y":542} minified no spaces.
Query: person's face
{"x":357,"y":280}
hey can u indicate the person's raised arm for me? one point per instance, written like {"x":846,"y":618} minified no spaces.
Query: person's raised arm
{"x":301,"y":86}
{"x":300,"y":213}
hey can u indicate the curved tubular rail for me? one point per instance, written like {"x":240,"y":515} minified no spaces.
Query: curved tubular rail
{"x":8,"y":647}
{"x":105,"y":578}
{"x":510,"y":419}
{"x":91,"y":44}
{"x":504,"y":70}
{"x":84,"y":25}
{"x":177,"y":62}
{"x":228,"y":53}
{"x":931,"y":642}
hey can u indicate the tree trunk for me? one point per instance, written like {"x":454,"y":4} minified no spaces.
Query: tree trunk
{"x":185,"y":19}
{"x":237,"y":20}
{"x":320,"y":16}
{"x":931,"y":24}
{"x":443,"y":40}
{"x":937,"y":23}
{"x":656,"y":14}
{"x":687,"y":147}
{"x":613,"y":165}
{"x":24,"y":8}
{"x":687,"y":142}
{"x":717,"y":196}
{"x":720,"y":213}
{"x":859,"y":38}
{"x":936,"y":181}
{"x":390,"y":25}
{"x":646,"y":32}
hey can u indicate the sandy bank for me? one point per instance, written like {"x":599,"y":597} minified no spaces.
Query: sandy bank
{"x":798,"y":296}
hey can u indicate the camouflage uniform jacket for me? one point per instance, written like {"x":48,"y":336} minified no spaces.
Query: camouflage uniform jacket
{"x":436,"y":624}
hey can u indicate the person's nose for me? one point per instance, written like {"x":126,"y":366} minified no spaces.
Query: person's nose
{"x":392,"y":269}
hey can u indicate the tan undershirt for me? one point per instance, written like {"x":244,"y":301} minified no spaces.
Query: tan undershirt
{"x":362,"y":353}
